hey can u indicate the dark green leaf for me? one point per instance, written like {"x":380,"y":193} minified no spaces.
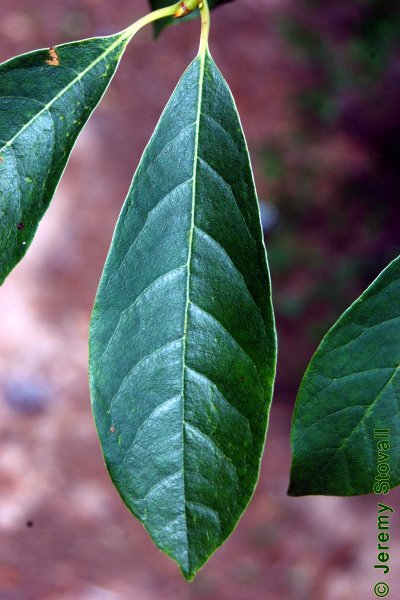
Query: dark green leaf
{"x":182,"y":351}
{"x":46,"y":97}
{"x":162,"y":23}
{"x":351,"y":387}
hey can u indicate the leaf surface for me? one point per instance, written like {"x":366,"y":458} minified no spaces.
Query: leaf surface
{"x":46,"y":97}
{"x":159,"y":25}
{"x":182,"y":339}
{"x":351,"y":388}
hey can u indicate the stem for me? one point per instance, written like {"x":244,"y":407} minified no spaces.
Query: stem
{"x":205,"y":26}
{"x":168,"y":11}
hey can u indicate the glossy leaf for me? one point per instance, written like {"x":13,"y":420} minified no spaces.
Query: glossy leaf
{"x":351,"y":388}
{"x":162,"y":23}
{"x":182,"y":341}
{"x":46,"y":97}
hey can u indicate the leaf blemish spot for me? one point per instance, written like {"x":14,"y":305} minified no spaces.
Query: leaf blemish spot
{"x":21,"y":226}
{"x":112,"y":429}
{"x":54,"y":60}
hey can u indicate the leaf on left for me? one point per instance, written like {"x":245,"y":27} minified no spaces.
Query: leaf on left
{"x":46,"y":97}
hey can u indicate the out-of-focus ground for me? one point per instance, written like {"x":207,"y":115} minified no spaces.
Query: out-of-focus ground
{"x":318,"y":88}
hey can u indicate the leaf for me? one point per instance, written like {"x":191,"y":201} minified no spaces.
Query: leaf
{"x":46,"y":97}
{"x":159,"y":25}
{"x":351,"y":388}
{"x":182,"y":340}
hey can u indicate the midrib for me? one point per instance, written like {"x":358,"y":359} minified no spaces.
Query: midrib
{"x":202,"y":58}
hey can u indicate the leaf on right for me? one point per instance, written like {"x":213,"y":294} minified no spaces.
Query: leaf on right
{"x":351,"y":388}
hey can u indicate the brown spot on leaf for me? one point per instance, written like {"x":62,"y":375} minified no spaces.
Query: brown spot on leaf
{"x":112,"y":429}
{"x":54,"y":60}
{"x":21,"y":226}
{"x":1,"y":159}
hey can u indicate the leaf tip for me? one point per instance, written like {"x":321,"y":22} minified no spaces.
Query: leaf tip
{"x":189,"y":573}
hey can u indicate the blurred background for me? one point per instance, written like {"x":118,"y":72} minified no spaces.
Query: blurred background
{"x":317,"y":83}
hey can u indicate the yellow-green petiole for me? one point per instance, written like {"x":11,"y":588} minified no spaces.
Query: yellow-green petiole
{"x":161,"y":13}
{"x":205,"y":26}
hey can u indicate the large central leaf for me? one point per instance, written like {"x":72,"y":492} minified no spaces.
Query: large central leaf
{"x":183,"y":348}
{"x":46,"y":97}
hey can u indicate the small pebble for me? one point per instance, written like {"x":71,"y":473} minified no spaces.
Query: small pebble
{"x":269,"y":215}
{"x":28,"y":396}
